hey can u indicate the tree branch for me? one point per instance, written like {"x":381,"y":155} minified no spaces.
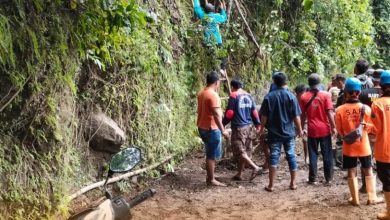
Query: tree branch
{"x":14,"y":95}
{"x":117,"y":178}
{"x":260,"y":51}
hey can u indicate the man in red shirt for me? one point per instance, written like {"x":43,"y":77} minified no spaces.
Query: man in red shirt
{"x":317,"y":108}
{"x":210,"y":125}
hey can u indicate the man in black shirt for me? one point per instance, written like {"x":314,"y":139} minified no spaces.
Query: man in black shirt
{"x":369,"y":95}
{"x":361,"y":68}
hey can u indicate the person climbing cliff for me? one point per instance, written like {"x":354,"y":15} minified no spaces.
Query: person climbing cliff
{"x":210,"y":21}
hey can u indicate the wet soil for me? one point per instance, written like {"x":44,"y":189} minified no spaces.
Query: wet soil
{"x":183,"y":194}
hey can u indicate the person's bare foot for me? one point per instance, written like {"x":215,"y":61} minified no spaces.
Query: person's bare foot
{"x":215,"y":183}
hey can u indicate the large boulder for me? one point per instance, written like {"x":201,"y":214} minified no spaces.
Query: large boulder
{"x":104,"y":134}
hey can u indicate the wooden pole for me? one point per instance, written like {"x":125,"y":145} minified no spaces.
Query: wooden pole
{"x":117,"y":178}
{"x":228,"y":82}
{"x":261,"y":53}
{"x":229,"y":10}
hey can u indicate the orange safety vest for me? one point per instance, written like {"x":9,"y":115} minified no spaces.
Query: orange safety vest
{"x":381,"y":120}
{"x":347,"y":119}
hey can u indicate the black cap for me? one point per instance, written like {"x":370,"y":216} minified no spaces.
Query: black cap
{"x":236,"y":83}
{"x":341,"y":77}
{"x":301,"y":88}
{"x":212,"y":77}
{"x":376,"y":76}
{"x":314,"y":81}
{"x":279,"y":78}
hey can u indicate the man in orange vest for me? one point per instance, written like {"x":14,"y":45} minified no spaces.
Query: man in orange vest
{"x":351,"y":117}
{"x":381,"y":120}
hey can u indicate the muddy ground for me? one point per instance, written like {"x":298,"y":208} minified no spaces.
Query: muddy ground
{"x":184,"y":195}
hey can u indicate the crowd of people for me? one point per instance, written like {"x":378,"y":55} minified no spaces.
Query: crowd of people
{"x":355,"y":111}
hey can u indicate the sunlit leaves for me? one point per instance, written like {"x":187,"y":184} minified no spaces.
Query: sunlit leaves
{"x":307,"y":4}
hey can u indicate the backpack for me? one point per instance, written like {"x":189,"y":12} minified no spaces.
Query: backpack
{"x":366,"y":81}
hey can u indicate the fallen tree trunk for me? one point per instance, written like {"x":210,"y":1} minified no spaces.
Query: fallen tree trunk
{"x":117,"y":178}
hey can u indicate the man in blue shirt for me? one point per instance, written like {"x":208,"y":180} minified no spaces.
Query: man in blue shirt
{"x":210,"y":21}
{"x":241,"y":112}
{"x":279,"y":112}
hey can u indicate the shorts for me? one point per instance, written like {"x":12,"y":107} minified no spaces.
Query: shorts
{"x":351,"y":162}
{"x":241,"y":141}
{"x":212,"y":140}
{"x":383,"y":171}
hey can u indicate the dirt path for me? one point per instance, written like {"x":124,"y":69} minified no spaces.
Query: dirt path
{"x":184,"y":195}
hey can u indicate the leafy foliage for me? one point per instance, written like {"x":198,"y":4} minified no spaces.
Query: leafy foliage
{"x":302,"y":37}
{"x":381,"y":10}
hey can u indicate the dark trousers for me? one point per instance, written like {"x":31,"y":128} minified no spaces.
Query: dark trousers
{"x":326,"y":150}
{"x":383,"y":171}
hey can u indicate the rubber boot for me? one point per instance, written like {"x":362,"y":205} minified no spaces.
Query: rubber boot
{"x":354,"y":189}
{"x":371,"y":191}
{"x":386,"y":215}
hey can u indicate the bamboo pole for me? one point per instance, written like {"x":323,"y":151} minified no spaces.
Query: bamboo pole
{"x":261,"y":53}
{"x":229,"y":10}
{"x":117,"y":178}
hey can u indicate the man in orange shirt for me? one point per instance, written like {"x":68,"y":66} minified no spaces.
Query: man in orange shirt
{"x":350,"y":116}
{"x":381,"y":120}
{"x":210,"y":125}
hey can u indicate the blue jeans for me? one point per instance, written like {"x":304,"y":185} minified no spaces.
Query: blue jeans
{"x":289,"y":149}
{"x":326,"y":151}
{"x":212,"y":140}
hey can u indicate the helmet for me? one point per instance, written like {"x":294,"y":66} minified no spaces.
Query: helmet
{"x":385,"y":78}
{"x":353,"y":84}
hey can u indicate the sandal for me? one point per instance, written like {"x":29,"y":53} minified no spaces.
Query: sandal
{"x":294,"y":187}
{"x":236,"y":178}
{"x":255,"y":173}
{"x":268,"y":189}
